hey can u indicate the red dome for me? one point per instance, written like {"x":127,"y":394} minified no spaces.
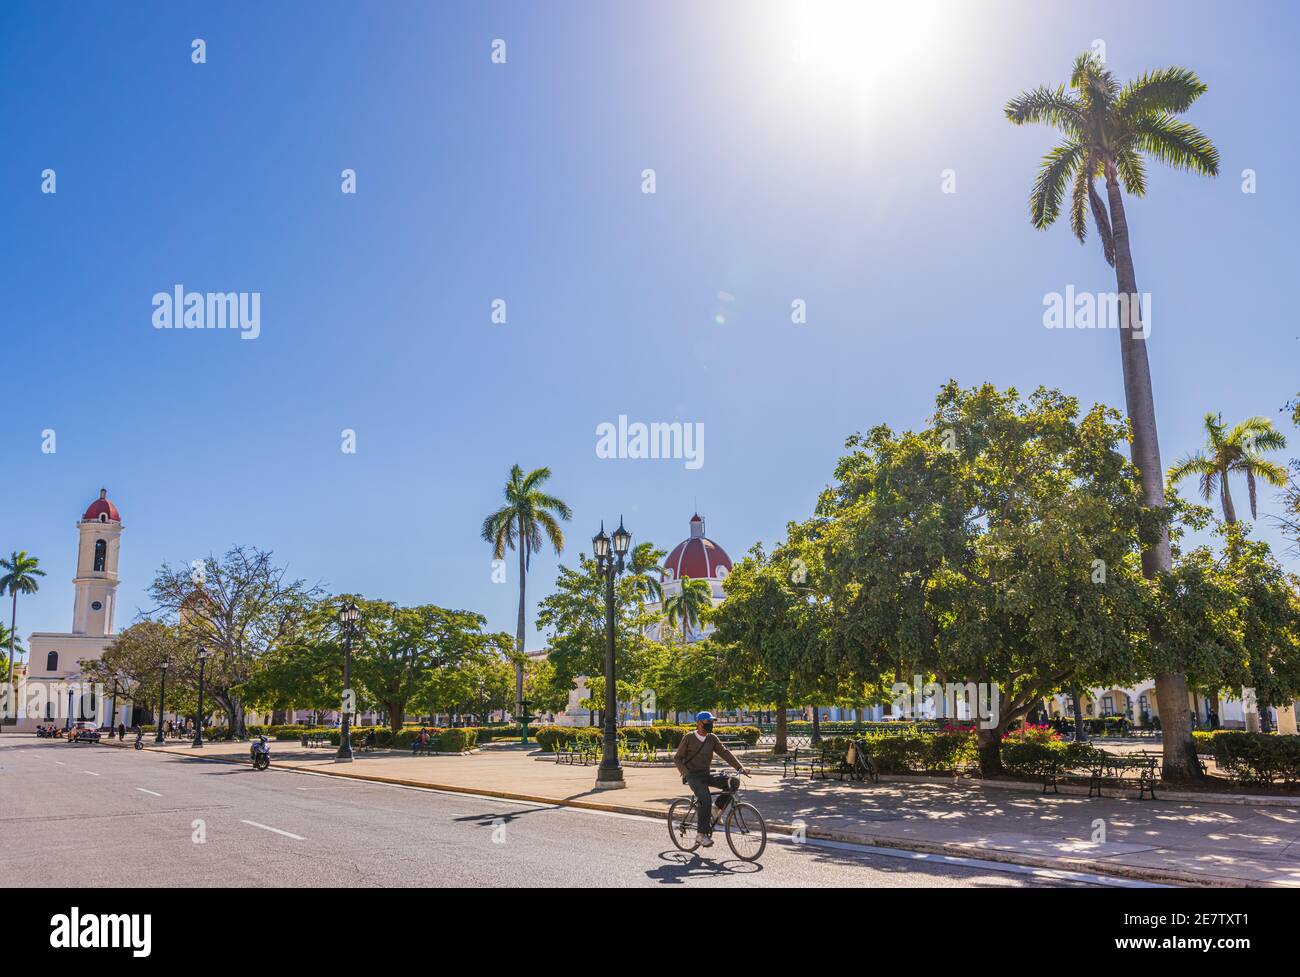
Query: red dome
{"x":697,"y":557}
{"x":102,"y":507}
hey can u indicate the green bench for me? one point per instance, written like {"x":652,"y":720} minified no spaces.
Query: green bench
{"x":1107,"y":770}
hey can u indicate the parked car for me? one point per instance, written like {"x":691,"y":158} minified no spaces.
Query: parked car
{"x":84,"y":733}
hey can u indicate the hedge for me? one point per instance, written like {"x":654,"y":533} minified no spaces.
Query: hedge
{"x":1252,"y":758}
{"x":658,"y":737}
{"x":914,"y":752}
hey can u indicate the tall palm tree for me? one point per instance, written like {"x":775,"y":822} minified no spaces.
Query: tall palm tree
{"x":1109,"y":132}
{"x":1236,"y":450}
{"x":518,"y":525}
{"x":20,"y":573}
{"x":1228,"y":451}
{"x":685,"y":609}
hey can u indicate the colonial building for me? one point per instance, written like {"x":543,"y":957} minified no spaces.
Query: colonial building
{"x":54,"y":691}
{"x":699,"y":558}
{"x":1138,"y":704}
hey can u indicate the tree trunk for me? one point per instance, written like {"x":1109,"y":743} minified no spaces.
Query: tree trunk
{"x":781,"y":727}
{"x":237,"y":717}
{"x":13,"y":623}
{"x":396,"y":715}
{"x":519,"y":631}
{"x":1171,"y":687}
{"x":988,"y":742}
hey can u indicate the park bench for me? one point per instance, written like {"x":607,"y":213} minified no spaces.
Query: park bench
{"x":581,"y":753}
{"x":1107,"y":770}
{"x":734,"y":743}
{"x":315,"y":741}
{"x":813,"y":759}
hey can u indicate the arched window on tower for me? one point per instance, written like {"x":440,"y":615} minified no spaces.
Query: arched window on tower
{"x":52,"y":662}
{"x":101,"y":552}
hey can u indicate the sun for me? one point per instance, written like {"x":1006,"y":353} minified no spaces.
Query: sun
{"x":863,"y":48}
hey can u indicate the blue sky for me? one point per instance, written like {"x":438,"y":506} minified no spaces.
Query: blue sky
{"x":797,"y":150}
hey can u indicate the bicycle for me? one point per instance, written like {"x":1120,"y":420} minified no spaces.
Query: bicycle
{"x":745,"y":828}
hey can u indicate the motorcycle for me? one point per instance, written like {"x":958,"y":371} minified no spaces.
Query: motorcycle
{"x":260,"y":753}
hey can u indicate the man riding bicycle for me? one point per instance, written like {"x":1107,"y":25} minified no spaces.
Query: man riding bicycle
{"x":693,"y":759}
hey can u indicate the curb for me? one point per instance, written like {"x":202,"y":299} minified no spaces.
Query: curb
{"x":952,"y":849}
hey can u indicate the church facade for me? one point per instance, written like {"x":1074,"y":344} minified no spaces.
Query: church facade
{"x":54,"y":691}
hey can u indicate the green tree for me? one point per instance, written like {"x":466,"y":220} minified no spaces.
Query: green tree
{"x":479,"y":684}
{"x":518,"y":525}
{"x":690,"y":676}
{"x":773,"y":630}
{"x":999,"y":546}
{"x":20,"y":577}
{"x":1110,"y":130}
{"x":1231,"y":620}
{"x":574,"y":617}
{"x":686,"y":609}
{"x":1233,"y":451}
{"x":134,"y":661}
{"x":409,"y":654}
{"x":241,"y":607}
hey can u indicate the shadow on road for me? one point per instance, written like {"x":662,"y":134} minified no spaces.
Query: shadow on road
{"x":680,"y":867}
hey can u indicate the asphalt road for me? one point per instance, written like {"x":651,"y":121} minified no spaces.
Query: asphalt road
{"x":81,"y":815}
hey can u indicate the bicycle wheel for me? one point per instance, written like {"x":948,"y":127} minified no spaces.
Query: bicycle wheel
{"x":681,"y":825}
{"x":746,"y":831}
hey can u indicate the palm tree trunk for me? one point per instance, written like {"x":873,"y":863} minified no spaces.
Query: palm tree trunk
{"x":519,"y":632}
{"x":1171,"y":687}
{"x":13,"y":623}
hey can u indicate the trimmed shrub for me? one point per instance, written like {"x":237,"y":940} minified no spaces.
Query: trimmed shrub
{"x":1253,"y":758}
{"x":657,"y":737}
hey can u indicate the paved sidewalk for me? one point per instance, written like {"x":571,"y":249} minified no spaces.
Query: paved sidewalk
{"x":1185,"y":841}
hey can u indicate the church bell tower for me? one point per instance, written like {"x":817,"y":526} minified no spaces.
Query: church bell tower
{"x":96,"y":579}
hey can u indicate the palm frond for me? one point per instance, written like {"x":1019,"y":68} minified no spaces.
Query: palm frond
{"x":1079,"y":204}
{"x":1175,"y":143}
{"x":1171,"y":89}
{"x":1049,"y":187}
{"x":1196,"y":464}
{"x":1052,"y":106}
{"x":1101,"y":218}
{"x":1132,"y":171}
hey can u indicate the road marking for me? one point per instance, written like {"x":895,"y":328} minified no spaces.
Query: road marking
{"x":60,"y":763}
{"x":91,"y":772}
{"x":144,"y":791}
{"x":267,"y":827}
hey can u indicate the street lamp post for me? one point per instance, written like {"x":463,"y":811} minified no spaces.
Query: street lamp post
{"x":112,"y":717}
{"x":162,"y":702}
{"x":349,"y":615}
{"x":609,"y":565}
{"x":198,"y":720}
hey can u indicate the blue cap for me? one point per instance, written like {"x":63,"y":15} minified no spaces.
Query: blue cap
{"x":704,"y":717}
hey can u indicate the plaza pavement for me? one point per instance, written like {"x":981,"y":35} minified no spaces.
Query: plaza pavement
{"x":1230,"y":841}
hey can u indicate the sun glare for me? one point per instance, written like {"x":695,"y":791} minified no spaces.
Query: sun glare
{"x":862,"y":49}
